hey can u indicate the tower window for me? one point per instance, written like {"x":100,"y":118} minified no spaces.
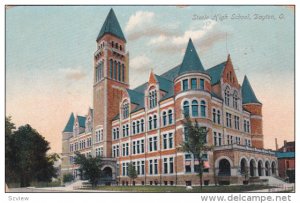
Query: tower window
{"x":235,"y":100}
{"x":170,"y":114}
{"x":194,"y":83}
{"x":152,"y":99}
{"x":123,"y":73}
{"x":186,"y":108}
{"x":112,"y":44}
{"x":119,"y":71}
{"x":185,"y":84}
{"x":201,"y":84}
{"x":121,"y":47}
{"x":194,"y":108}
{"x":111,"y":68}
{"x":203,"y":109}
{"x":115,"y":70}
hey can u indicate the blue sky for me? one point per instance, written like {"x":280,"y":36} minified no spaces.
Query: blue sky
{"x":49,"y":56}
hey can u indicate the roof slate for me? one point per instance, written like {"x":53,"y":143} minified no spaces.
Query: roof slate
{"x":81,"y":121}
{"x":111,"y":26}
{"x":70,"y":124}
{"x":248,"y":94}
{"x":191,"y":61}
{"x":216,"y":72}
{"x":285,"y":155}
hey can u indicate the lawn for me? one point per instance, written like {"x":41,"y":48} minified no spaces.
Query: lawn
{"x":163,"y":189}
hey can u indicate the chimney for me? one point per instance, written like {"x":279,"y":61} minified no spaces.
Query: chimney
{"x":276,"y":144}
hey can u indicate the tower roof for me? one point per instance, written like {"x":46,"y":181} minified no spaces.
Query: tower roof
{"x":248,"y":93}
{"x":69,"y":126}
{"x":191,"y":61}
{"x":111,"y":26}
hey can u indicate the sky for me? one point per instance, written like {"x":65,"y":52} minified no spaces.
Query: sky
{"x":49,"y":57}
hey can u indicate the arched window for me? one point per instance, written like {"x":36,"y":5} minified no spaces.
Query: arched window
{"x":227,"y":94}
{"x":152,"y":99}
{"x":127,"y":129}
{"x":115,"y":70}
{"x":170,"y":114}
{"x":235,"y":100}
{"x":150,"y":122}
{"x":124,"y":131}
{"x":154,"y":121}
{"x":142,"y":125}
{"x":203,"y":109}
{"x":111,"y":68}
{"x":214,"y":116}
{"x":195,"y":108}
{"x":123,"y":73}
{"x":125,"y":110}
{"x":164,"y":118}
{"x":119,"y":71}
{"x":112,"y":44}
{"x":138,"y":127}
{"x":186,"y":108}
{"x":133,"y":128}
{"x":219,"y":117}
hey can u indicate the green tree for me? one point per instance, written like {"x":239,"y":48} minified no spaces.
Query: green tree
{"x":9,"y":151}
{"x":132,"y":174}
{"x":90,"y":167}
{"x":195,"y":143}
{"x":68,"y":178}
{"x":28,"y":160}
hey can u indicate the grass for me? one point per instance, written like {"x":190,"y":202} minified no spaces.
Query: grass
{"x":164,"y":189}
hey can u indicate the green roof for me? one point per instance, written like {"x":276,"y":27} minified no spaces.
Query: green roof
{"x":216,"y":72}
{"x":248,"y":93}
{"x":81,"y":121}
{"x":70,"y":124}
{"x":111,"y":26}
{"x":191,"y":61}
{"x":285,"y":155}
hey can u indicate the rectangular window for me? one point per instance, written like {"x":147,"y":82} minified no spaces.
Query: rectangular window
{"x":171,"y":165}
{"x":220,"y":139}
{"x":155,"y":166}
{"x":150,"y":167}
{"x":170,"y":140}
{"x":202,"y":84}
{"x":154,"y":143}
{"x":165,"y":141}
{"x":142,"y":146}
{"x":215,"y":139}
{"x":165,"y":165}
{"x":193,"y":83}
{"x":133,"y":147}
{"x":228,"y":120}
{"x":150,"y":144}
{"x":123,"y":150}
{"x":138,"y":147}
{"x":185,"y":85}
{"x":127,"y":149}
{"x":142,"y":167}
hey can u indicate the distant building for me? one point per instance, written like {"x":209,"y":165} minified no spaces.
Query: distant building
{"x":144,"y":125}
{"x":286,"y":161}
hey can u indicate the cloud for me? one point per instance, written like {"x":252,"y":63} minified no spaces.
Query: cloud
{"x":204,"y":36}
{"x":140,"y":18}
{"x":140,"y":64}
{"x":73,"y":73}
{"x":143,"y":24}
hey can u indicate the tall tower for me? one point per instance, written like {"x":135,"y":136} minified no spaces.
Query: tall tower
{"x":251,"y":104}
{"x":110,"y":78}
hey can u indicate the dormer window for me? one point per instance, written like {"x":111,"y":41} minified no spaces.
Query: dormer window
{"x":152,"y":99}
{"x":235,"y":100}
{"x":125,"y":110}
{"x":194,"y":83}
{"x":226,"y":93}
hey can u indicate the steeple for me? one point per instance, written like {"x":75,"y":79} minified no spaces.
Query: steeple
{"x":191,"y":61}
{"x":111,"y":26}
{"x":248,"y":93}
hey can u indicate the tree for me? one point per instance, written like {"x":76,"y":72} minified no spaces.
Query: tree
{"x":90,"y":167}
{"x":68,"y":178}
{"x":132,"y":174}
{"x":9,"y":151}
{"x":27,"y":156}
{"x":195,"y":142}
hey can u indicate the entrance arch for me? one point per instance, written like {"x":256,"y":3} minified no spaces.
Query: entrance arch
{"x":260,"y":168}
{"x":267,"y":167}
{"x":273,"y":166}
{"x":224,"y":167}
{"x":252,"y":167}
{"x":243,"y":166}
